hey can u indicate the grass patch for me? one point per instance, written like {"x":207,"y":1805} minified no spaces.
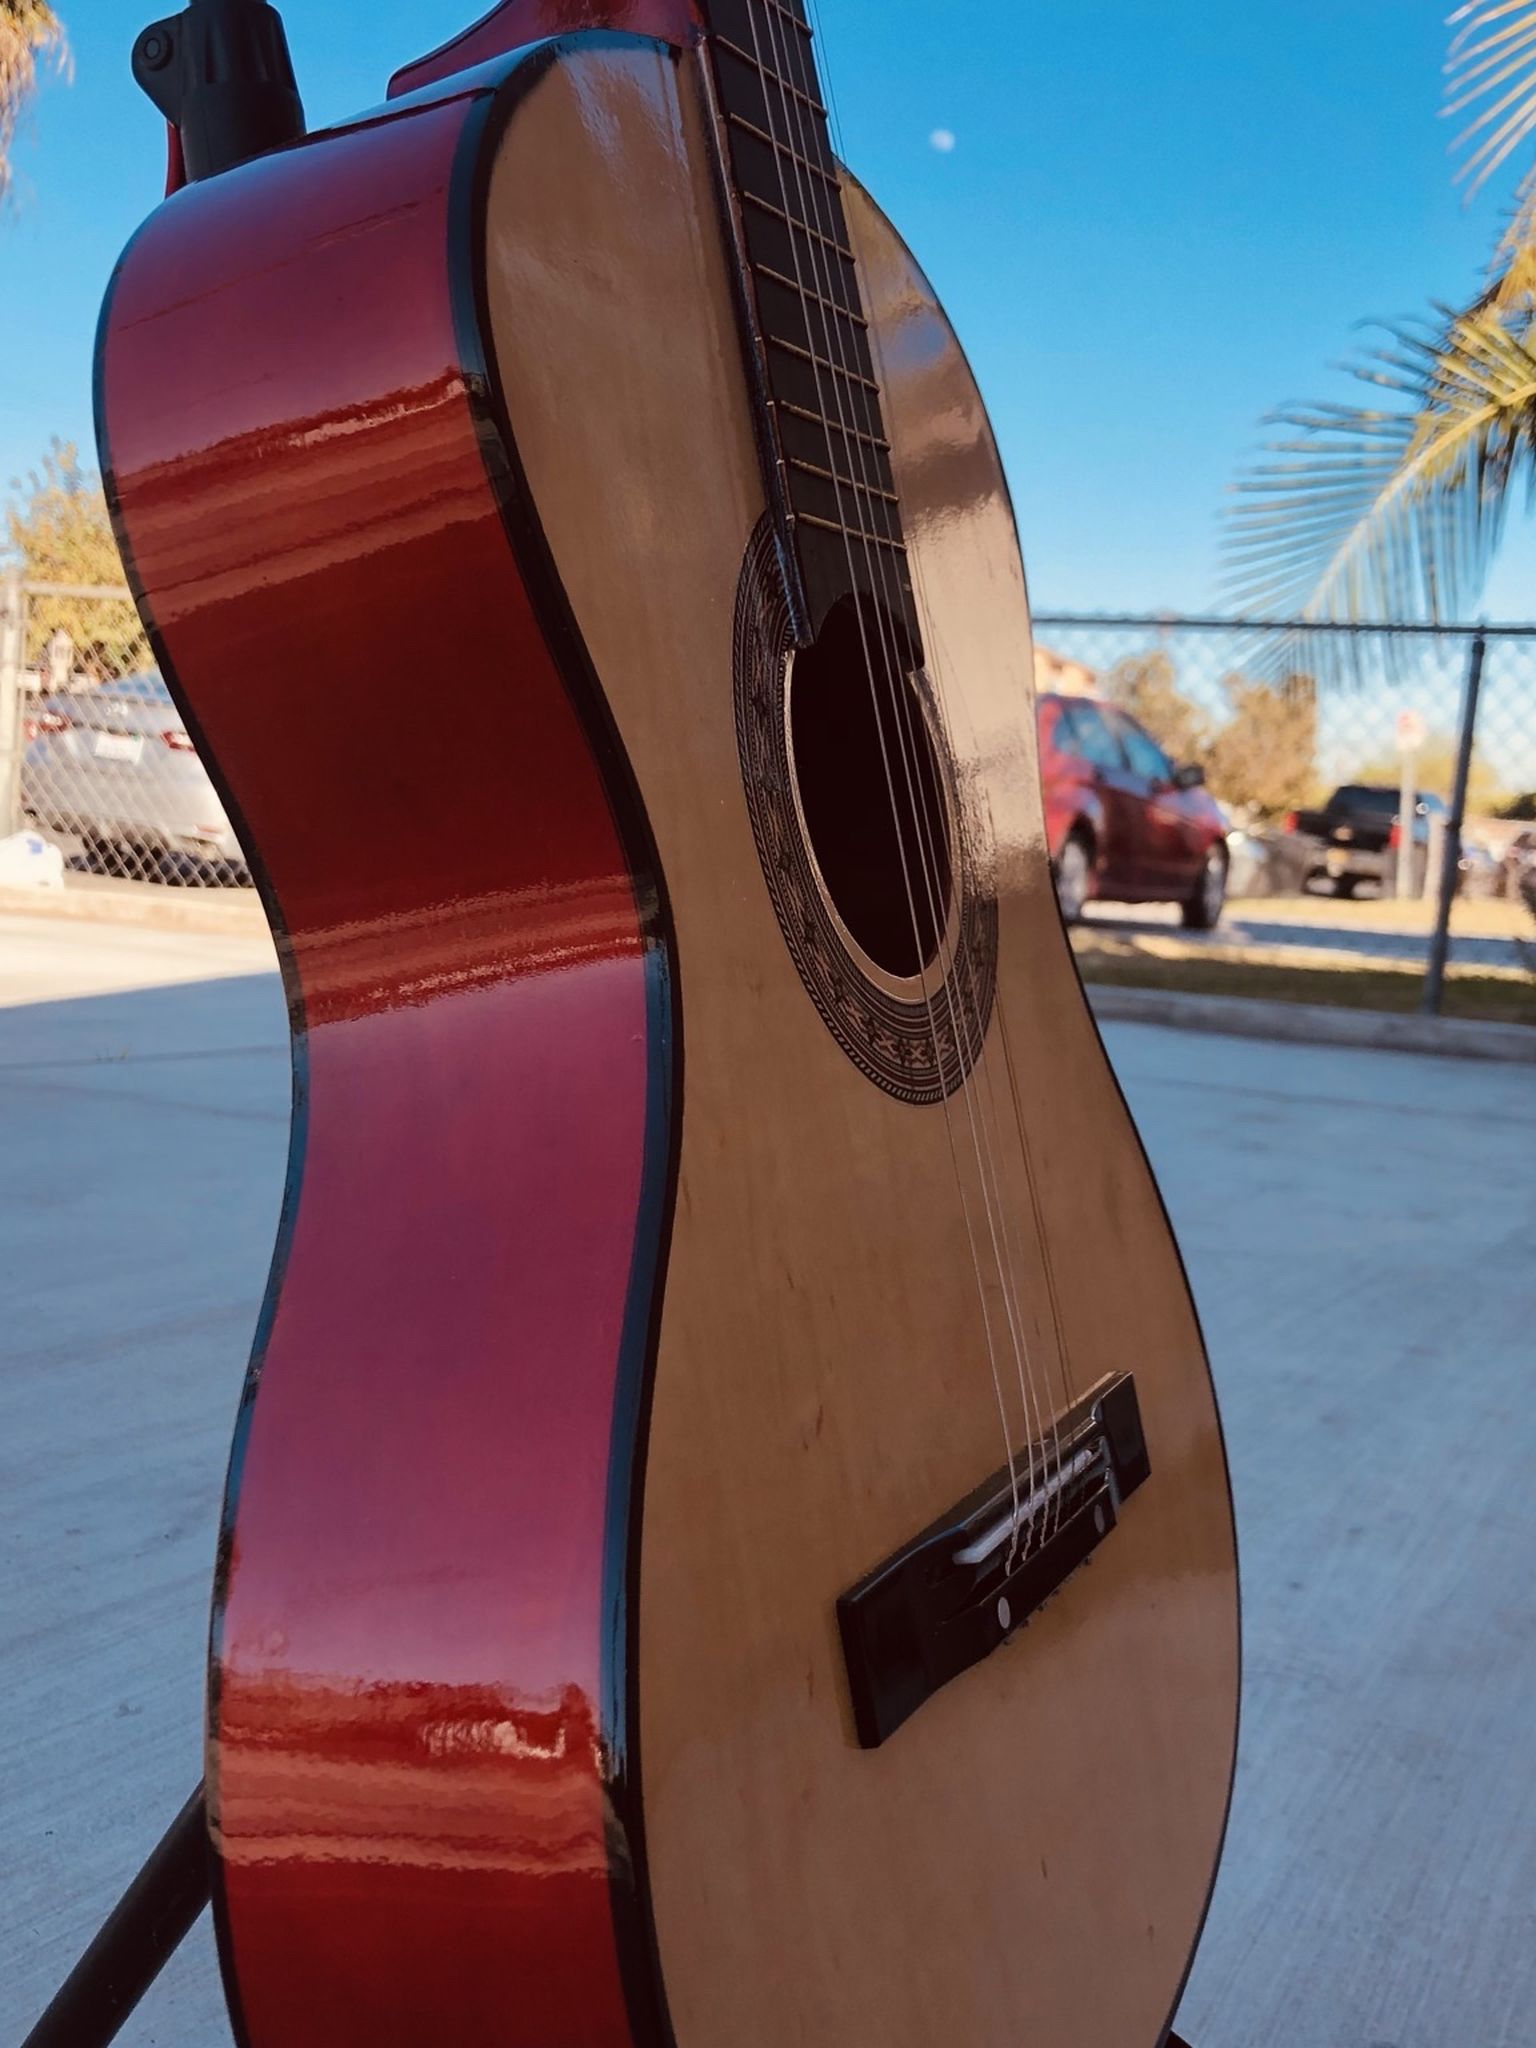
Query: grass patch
{"x":1490,"y":998}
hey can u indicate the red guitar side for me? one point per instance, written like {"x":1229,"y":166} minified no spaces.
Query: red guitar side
{"x":480,"y":999}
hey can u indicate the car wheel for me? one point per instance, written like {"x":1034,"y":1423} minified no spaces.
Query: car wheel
{"x":1074,"y":877}
{"x":1202,"y":909}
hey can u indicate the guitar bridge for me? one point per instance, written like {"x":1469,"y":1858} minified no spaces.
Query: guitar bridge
{"x":973,"y":1578}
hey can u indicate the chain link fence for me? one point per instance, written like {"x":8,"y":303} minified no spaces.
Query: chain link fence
{"x":93,"y":752}
{"x":1337,"y":711}
{"x":1436,"y":725}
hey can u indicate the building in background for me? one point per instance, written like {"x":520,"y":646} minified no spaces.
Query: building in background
{"x":1055,"y":673}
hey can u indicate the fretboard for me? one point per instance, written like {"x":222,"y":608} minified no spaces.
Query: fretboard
{"x":822,"y":427}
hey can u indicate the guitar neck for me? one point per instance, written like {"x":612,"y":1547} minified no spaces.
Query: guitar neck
{"x":821,"y":428}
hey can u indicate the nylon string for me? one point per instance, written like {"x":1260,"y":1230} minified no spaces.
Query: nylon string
{"x":1012,"y":1234}
{"x":882,"y":581}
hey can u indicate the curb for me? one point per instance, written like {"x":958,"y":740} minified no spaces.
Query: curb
{"x":1313,"y":1024}
{"x":235,"y":914}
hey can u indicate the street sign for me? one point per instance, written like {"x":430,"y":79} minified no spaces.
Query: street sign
{"x":1410,"y":732}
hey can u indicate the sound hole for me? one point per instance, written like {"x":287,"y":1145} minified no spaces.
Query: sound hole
{"x":868,"y":778}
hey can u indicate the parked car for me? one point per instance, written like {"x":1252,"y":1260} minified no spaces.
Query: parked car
{"x":1262,"y":860}
{"x":1479,"y":871}
{"x":114,"y":767}
{"x":1520,"y":869}
{"x":1354,"y":837}
{"x":1124,"y":823}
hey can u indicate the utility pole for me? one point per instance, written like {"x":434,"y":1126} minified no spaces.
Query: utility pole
{"x":1434,"y":979}
{"x":13,"y":638}
{"x":1410,"y":737}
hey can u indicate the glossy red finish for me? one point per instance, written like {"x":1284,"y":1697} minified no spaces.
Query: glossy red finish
{"x":518,"y":22}
{"x":1149,"y":839}
{"x":408,"y":1771}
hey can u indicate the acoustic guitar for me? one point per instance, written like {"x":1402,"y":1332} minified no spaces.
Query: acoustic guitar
{"x":727,"y":1539}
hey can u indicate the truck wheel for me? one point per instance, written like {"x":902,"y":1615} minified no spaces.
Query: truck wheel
{"x":1202,"y":909}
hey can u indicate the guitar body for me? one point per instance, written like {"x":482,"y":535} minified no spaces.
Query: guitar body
{"x":639,"y":1287}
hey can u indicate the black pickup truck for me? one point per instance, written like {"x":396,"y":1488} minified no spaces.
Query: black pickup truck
{"x":1354,"y":837}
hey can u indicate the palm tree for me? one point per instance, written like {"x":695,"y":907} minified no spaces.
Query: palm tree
{"x":1391,"y":508}
{"x":30,"y":33}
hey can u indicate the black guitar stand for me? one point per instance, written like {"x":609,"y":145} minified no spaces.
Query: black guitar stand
{"x":136,"y":1940}
{"x":141,"y":1933}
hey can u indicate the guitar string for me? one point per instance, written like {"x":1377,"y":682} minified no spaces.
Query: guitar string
{"x":906,"y":714}
{"x":1060,"y":1375}
{"x":1012,"y":1226}
{"x":778,"y":152}
{"x":957,"y":699}
{"x":1064,"y":1376}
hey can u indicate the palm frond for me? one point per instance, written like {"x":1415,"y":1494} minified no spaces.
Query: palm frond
{"x":1491,"y":66}
{"x":1511,"y":288}
{"x":1391,"y":510}
{"x":30,"y":34}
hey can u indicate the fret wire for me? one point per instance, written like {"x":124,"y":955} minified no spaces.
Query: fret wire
{"x":789,"y":14}
{"x":817,"y":419}
{"x":805,"y":292}
{"x":865,"y":497}
{"x":785,"y":84}
{"x":793,"y":348}
{"x":772,"y":141}
{"x":767,"y":206}
{"x":832,"y":476}
{"x":882,"y":540}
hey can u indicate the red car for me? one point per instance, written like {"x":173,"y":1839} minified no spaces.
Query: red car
{"x":1123,"y":821}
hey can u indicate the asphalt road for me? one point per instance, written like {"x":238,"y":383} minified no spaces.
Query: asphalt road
{"x":1359,"y":1230}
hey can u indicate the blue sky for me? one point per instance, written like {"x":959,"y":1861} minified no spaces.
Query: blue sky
{"x":1159,"y":219}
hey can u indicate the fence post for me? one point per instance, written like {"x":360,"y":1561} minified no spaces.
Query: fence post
{"x":1407,"y":810}
{"x":13,"y":640}
{"x":1434,"y":977}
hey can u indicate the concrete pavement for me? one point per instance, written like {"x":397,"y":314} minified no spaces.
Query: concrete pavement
{"x":1359,"y":1230}
{"x":143,"y":1132}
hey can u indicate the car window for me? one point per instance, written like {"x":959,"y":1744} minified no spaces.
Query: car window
{"x":1089,"y":735}
{"x":1142,"y":751}
{"x":1366,"y":796}
{"x":1061,"y":735}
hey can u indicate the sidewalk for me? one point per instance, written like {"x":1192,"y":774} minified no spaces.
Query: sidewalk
{"x":1358,"y":1231}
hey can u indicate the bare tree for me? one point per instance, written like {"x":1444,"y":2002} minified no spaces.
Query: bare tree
{"x":30,"y":34}
{"x":59,"y":532}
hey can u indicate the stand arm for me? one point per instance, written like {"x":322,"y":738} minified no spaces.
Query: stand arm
{"x":151,"y":1919}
